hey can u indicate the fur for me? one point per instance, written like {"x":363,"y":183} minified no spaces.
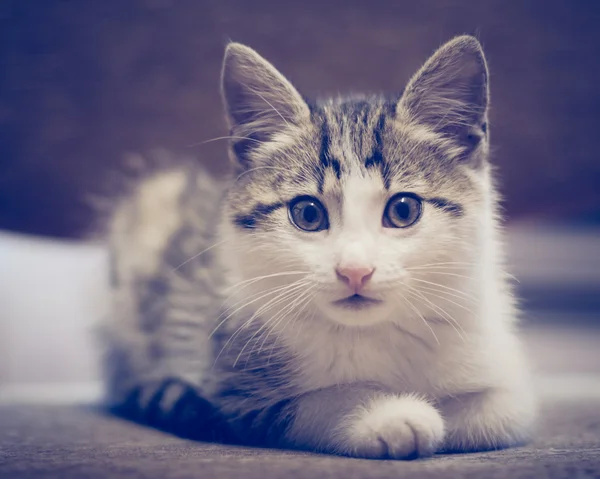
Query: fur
{"x":225,"y":319}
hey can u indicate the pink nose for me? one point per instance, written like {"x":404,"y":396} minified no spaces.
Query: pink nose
{"x":355,"y":277}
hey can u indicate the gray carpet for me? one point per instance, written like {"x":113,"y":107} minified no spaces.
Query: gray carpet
{"x":64,"y":442}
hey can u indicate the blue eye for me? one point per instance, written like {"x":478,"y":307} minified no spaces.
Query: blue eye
{"x":308,"y":214}
{"x":402,"y":210}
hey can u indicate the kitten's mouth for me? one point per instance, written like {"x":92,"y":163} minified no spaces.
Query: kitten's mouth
{"x":356,"y":301}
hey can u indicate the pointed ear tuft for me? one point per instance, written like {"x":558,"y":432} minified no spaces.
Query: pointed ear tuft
{"x":259,"y":101}
{"x":449,"y":93}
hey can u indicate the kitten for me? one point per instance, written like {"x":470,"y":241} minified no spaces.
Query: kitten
{"x":344,"y":292}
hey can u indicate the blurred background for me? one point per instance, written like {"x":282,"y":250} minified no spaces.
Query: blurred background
{"x":85,"y":83}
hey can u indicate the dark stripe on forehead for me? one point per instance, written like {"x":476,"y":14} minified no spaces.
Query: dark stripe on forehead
{"x":376,"y":159}
{"x":258,"y":214}
{"x":325,"y":154}
{"x":449,"y":207}
{"x":326,"y":160}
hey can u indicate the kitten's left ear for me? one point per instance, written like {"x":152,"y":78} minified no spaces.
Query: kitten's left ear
{"x":259,"y":101}
{"x":449,"y":93}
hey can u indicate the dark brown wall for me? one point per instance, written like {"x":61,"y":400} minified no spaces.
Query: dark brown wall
{"x":83,"y":81}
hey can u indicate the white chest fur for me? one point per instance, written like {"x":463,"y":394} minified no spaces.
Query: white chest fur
{"x":389,"y":356}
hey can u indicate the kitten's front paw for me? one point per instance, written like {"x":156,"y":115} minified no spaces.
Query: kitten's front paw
{"x":393,"y":427}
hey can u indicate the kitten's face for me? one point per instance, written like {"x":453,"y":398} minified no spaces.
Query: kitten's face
{"x":354,"y":210}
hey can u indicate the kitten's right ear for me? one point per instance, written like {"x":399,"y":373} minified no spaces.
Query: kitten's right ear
{"x":449,"y":93}
{"x":259,"y":101}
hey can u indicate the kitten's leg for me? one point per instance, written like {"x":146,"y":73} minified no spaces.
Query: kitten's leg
{"x":174,"y":406}
{"x":359,"y":421}
{"x":491,"y":419}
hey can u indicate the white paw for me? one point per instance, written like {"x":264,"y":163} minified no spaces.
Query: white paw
{"x":393,"y":427}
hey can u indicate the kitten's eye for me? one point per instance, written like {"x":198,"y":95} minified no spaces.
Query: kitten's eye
{"x":308,"y":214}
{"x":403,"y":210}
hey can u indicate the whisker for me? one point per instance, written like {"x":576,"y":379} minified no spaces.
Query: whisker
{"x":225,"y":138}
{"x":295,"y":319}
{"x":436,"y":294}
{"x":441,"y":291}
{"x":441,"y":273}
{"x":270,"y":304}
{"x":249,"y":281}
{"x":301,"y":302}
{"x":258,"y":295}
{"x":457,"y":291}
{"x":456,"y":264}
{"x":441,"y":311}
{"x":286,"y":288}
{"x":420,"y":316}
{"x":201,"y":252}
{"x":286,"y":296}
{"x":254,"y":296}
{"x":263,"y":326}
